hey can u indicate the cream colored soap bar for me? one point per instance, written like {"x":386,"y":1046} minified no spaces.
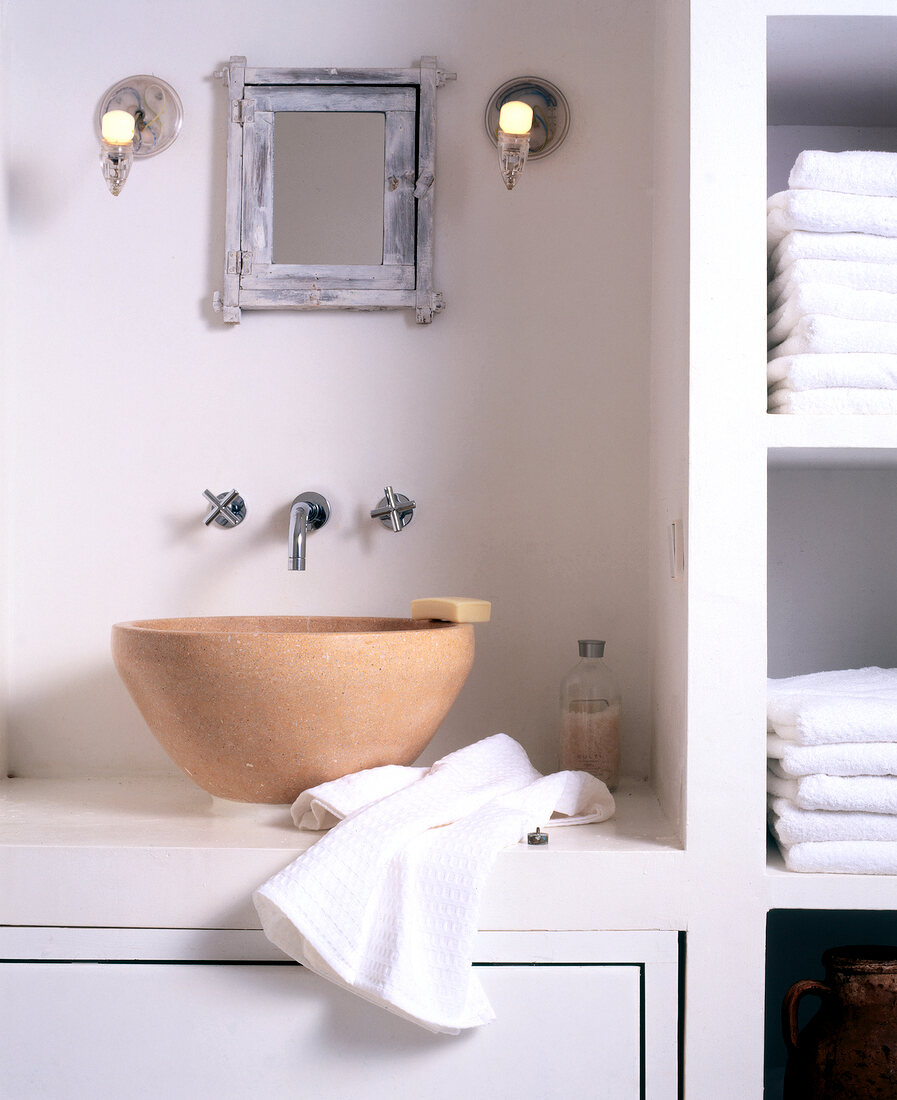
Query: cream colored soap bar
{"x":452,"y":609}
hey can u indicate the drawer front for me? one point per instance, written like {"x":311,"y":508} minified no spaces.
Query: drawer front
{"x":235,"y":1030}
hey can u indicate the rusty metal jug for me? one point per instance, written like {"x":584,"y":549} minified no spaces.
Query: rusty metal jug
{"x":848,"y":1051}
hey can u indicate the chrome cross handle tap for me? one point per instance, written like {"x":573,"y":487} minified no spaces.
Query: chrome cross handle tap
{"x":228,"y":509}
{"x":308,"y":512}
{"x":394,"y":509}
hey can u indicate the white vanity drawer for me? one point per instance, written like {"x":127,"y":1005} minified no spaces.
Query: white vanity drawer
{"x":191,"y":1029}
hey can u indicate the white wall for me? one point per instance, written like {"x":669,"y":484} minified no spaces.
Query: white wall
{"x":518,"y":420}
{"x":669,"y":404}
{"x":815,"y":515}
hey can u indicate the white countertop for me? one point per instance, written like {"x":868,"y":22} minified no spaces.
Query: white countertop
{"x":154,"y":853}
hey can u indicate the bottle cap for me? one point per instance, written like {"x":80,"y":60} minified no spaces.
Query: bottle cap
{"x":591,"y":648}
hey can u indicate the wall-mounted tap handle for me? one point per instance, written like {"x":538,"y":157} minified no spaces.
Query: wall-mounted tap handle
{"x":394,"y":509}
{"x":227,"y":509}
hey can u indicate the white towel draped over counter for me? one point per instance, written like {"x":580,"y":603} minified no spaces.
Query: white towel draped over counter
{"x":832,"y":770}
{"x":386,"y":903}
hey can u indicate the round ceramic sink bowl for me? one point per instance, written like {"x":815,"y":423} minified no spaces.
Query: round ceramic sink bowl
{"x":257,"y":709}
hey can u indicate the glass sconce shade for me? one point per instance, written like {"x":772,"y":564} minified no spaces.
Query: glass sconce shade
{"x":512,"y":153}
{"x":526,"y":118}
{"x":116,"y":161}
{"x":137,"y":117}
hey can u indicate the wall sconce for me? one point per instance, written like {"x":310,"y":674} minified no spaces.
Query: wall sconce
{"x":138,"y":117}
{"x":526,"y":118}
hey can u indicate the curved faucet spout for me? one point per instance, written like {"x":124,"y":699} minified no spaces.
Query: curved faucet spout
{"x":308,"y":512}
{"x":298,"y":534}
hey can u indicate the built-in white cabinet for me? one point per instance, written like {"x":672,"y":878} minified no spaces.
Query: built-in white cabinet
{"x":790,"y":550}
{"x":193,"y":1029}
{"x":121,"y":893}
{"x":790,"y":545}
{"x":832,"y":594}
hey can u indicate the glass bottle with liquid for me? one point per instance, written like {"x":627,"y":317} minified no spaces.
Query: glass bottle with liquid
{"x":590,"y":716}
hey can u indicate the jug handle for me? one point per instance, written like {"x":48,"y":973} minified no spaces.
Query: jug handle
{"x":790,"y":1006}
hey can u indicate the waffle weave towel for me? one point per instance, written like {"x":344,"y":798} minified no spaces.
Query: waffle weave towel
{"x":386,"y":903}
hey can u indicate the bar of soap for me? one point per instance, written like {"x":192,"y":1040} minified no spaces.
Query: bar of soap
{"x":452,"y":609}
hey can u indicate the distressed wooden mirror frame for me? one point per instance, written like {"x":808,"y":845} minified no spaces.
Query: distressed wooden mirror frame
{"x":404,"y":280}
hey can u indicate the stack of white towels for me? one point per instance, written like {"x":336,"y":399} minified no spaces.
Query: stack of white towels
{"x":832,"y":323}
{"x":832,"y":778}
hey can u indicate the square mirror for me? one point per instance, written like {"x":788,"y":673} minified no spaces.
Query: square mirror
{"x":330,"y":177}
{"x":328,"y":188}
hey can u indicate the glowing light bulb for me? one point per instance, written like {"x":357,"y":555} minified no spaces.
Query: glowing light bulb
{"x":516,"y":117}
{"x":118,"y":128}
{"x":515,"y":120}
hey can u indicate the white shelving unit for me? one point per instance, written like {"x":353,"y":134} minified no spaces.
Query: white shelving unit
{"x":831,"y":84}
{"x":822,"y":68}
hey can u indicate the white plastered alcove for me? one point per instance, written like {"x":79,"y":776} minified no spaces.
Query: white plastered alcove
{"x":125,"y":398}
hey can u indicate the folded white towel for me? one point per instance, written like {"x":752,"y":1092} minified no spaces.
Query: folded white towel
{"x":828,"y":212}
{"x":865,"y":758}
{"x":869,"y":794}
{"x":834,"y":301}
{"x":800,"y":244}
{"x":833,"y":402}
{"x":857,"y":172}
{"x":825,"y":708}
{"x":857,"y":370}
{"x":792,"y":825}
{"x":855,"y":274}
{"x":386,"y":903}
{"x":843,"y":857}
{"x":819,"y":333}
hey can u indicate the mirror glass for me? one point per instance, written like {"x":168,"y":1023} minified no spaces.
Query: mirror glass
{"x":328,"y":187}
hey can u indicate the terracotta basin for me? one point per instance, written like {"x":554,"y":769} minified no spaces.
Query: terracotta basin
{"x":257,"y":709}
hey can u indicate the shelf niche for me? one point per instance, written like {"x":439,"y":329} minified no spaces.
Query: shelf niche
{"x":795,"y":941}
{"x":831,"y":84}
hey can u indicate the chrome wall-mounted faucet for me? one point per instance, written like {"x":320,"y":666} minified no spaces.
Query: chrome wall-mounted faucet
{"x":394,"y":509}
{"x":308,"y":512}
